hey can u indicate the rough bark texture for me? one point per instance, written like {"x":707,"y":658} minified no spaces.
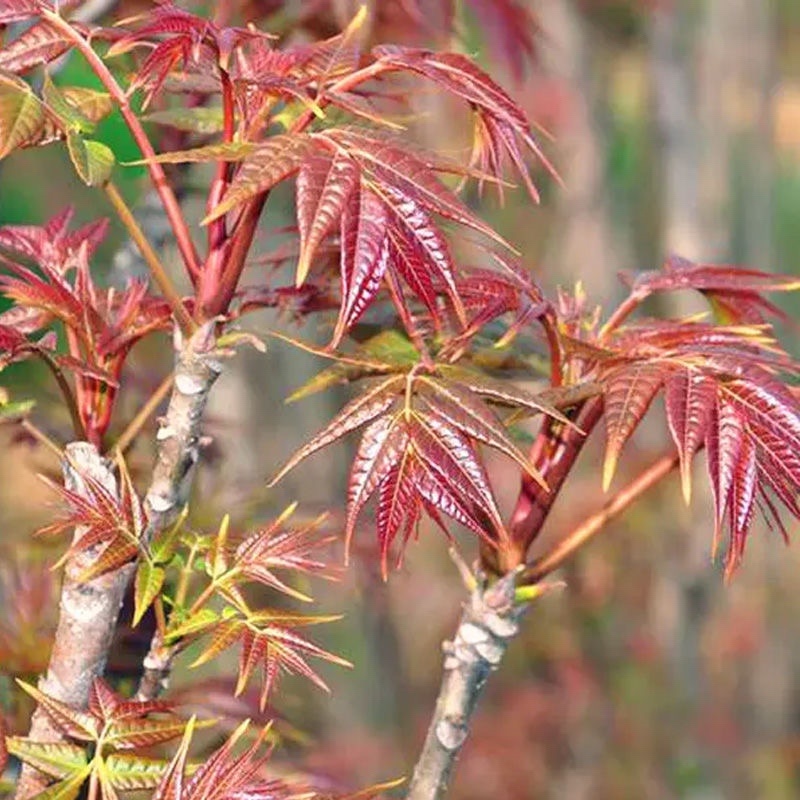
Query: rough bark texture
{"x":87,"y":617}
{"x":178,"y":437}
{"x":197,"y":368}
{"x":89,"y":610}
{"x":489,"y":621}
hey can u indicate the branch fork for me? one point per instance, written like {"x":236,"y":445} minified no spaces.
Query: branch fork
{"x":83,"y":638}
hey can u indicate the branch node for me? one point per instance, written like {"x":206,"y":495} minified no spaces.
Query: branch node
{"x":451,"y":734}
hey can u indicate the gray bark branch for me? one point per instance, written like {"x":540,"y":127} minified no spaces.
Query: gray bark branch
{"x":88,"y":614}
{"x":89,"y":609}
{"x":489,"y":621}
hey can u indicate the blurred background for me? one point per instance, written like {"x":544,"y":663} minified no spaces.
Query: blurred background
{"x":676,"y":129}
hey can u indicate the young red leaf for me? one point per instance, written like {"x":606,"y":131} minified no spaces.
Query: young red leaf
{"x":501,"y":123}
{"x":269,"y":164}
{"x":628,"y":392}
{"x":20,"y":10}
{"x":364,"y":256}
{"x":271,"y":645}
{"x":461,"y":409}
{"x":736,"y":292}
{"x":356,"y":413}
{"x":510,"y":29}
{"x":415,"y":226}
{"x":741,"y":503}
{"x":690,"y":400}
{"x":75,"y":724}
{"x":447,"y":453}
{"x":39,"y":44}
{"x":392,"y":166}
{"x":324,"y":184}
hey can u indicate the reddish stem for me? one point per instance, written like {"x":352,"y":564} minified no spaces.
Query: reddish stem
{"x":550,"y":325}
{"x":553,"y":453}
{"x":157,"y":175}
{"x":217,"y":230}
{"x":343,"y":85}
{"x":556,"y":448}
{"x":219,"y":292}
{"x":238,"y":247}
{"x":553,"y":559}
{"x":623,"y":311}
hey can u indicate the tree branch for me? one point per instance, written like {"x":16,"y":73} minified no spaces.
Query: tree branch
{"x":552,"y":560}
{"x":488,"y":623}
{"x":90,"y":609}
{"x":87,"y":617}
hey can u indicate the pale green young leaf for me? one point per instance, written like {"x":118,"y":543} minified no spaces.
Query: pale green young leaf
{"x":162,"y":548}
{"x":68,"y":789}
{"x":196,"y":623}
{"x":21,"y":113}
{"x":70,"y":117}
{"x":149,"y":580}
{"x":190,"y":120}
{"x":127,"y":772}
{"x":57,"y":759}
{"x":92,"y":104}
{"x":93,"y":161}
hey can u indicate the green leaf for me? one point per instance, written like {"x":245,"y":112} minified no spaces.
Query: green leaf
{"x":58,"y":759}
{"x":68,"y":789}
{"x":21,"y":113}
{"x":191,"y":120}
{"x":126,"y":772}
{"x":93,"y":105}
{"x":93,"y":161}
{"x":217,"y":561}
{"x":149,"y":580}
{"x":70,"y":117}
{"x":163,"y":546}
{"x":16,"y":409}
{"x":196,"y":623}
{"x":226,"y":151}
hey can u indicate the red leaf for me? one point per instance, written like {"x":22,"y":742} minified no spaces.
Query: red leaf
{"x":690,"y":400}
{"x":509,"y":27}
{"x":724,"y":444}
{"x":741,"y":504}
{"x":396,"y":168}
{"x":379,"y":454}
{"x":427,"y":242}
{"x":449,"y":454}
{"x":324,"y":185}
{"x":39,"y":44}
{"x":20,"y":10}
{"x":356,"y":413}
{"x":364,"y":256}
{"x":628,"y":392}
{"x":269,"y":164}
{"x":397,"y":503}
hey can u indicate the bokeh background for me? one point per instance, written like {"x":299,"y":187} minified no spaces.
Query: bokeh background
{"x":676,"y":128}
